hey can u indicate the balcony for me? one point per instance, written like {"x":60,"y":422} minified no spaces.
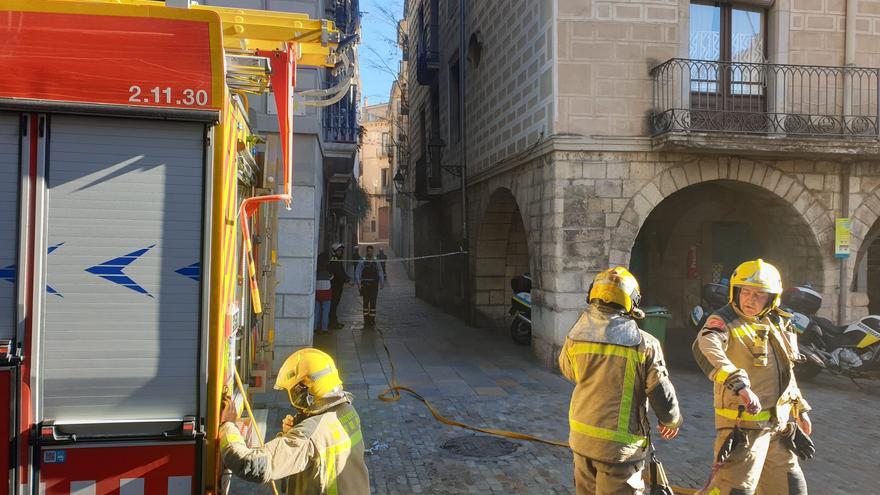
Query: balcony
{"x":428,"y":57}
{"x":340,"y":121}
{"x":695,"y":100}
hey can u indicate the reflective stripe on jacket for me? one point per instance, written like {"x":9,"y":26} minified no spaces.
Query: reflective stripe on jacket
{"x":323,"y":454}
{"x":735,"y":351}
{"x":613,"y":384}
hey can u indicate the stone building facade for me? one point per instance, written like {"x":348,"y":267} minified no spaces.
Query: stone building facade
{"x":677,"y":138}
{"x":375,"y":169}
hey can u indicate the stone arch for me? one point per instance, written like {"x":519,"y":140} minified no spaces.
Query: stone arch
{"x":865,"y":245}
{"x":675,"y":178}
{"x":502,"y":251}
{"x":798,"y":233}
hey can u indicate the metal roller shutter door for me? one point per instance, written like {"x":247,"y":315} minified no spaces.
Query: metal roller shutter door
{"x":9,"y":173}
{"x":121,"y":327}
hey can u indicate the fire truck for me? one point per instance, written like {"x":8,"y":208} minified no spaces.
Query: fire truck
{"x":133,"y":189}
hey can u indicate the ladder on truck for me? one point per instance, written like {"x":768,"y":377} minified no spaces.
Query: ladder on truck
{"x":130,"y":175}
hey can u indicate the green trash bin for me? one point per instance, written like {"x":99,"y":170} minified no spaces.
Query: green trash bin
{"x":656,"y":319}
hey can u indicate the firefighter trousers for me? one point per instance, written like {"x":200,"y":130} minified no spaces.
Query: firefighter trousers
{"x":763,"y":465}
{"x":600,"y":478}
{"x":369,"y":291}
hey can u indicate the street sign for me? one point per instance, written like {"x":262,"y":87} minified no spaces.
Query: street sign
{"x":842,"y":232}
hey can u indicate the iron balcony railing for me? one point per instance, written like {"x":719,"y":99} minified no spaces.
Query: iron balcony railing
{"x":768,"y":99}
{"x":340,"y":119}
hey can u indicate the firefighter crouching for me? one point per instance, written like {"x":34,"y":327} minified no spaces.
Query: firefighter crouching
{"x":321,"y":451}
{"x":747,"y":349}
{"x":617,"y":369}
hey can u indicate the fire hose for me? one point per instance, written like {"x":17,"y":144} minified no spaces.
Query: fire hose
{"x":392,"y":394}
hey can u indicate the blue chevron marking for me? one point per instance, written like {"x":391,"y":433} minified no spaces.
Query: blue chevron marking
{"x":10,"y":273}
{"x":49,"y":288}
{"x":111,"y":270}
{"x":193,"y":271}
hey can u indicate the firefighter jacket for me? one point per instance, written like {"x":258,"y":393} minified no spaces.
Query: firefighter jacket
{"x":617,"y":369}
{"x":323,"y":454}
{"x":735,"y":352}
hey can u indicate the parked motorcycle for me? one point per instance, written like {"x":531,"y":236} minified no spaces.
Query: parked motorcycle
{"x":521,"y":309}
{"x":851,"y":350}
{"x":714,"y":297}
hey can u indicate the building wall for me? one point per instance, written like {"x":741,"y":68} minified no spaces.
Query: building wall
{"x":605,"y":52}
{"x":374,"y":158}
{"x":509,"y":95}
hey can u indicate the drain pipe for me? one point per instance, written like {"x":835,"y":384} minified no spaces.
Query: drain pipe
{"x":849,"y":61}
{"x":844,"y":213}
{"x":462,"y":112}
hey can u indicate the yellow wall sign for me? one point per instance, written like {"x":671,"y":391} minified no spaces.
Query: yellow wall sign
{"x":842,"y":231}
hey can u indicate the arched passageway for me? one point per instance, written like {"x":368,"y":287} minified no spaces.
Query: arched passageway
{"x":502,"y":252}
{"x":700,"y":233}
{"x":867,"y":277}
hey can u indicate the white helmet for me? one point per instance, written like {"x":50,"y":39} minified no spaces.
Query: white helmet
{"x":336,"y":246}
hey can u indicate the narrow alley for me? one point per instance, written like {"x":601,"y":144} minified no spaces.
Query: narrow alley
{"x":481,"y":377}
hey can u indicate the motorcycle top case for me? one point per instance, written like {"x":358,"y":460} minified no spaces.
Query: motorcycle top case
{"x":716,"y":295}
{"x":802,"y":300}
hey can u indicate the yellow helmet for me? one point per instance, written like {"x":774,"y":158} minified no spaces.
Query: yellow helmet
{"x":616,"y":286}
{"x":760,"y":275}
{"x":311,"y":369}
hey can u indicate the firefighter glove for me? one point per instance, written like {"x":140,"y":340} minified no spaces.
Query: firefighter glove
{"x":799,"y":442}
{"x":733,"y":440}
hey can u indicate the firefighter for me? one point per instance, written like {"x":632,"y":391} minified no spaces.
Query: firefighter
{"x":747,"y":350}
{"x":370,"y":278}
{"x":321,"y":450}
{"x":337,"y":269}
{"x":617,"y":370}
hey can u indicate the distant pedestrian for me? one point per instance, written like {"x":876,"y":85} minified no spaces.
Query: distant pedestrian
{"x":370,"y":278}
{"x":382,"y":257}
{"x":355,"y":257}
{"x":323,"y":299}
{"x":336,"y":268}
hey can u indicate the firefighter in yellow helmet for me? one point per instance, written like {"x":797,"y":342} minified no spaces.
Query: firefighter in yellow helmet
{"x":747,"y":349}
{"x":617,"y":370}
{"x":321,"y":451}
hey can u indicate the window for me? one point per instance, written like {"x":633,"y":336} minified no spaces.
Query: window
{"x":720,"y":32}
{"x":386,"y":144}
{"x":384,"y":179}
{"x":372,"y":226}
{"x":454,"y":95}
{"x":731,"y":40}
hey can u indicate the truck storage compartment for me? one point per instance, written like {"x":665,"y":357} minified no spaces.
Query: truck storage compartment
{"x":120,"y":337}
{"x":9,"y":182}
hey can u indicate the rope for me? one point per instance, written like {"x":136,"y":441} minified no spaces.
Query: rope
{"x":392,"y":394}
{"x":413,"y":258}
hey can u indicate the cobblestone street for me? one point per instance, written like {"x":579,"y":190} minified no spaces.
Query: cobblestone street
{"x":480,"y":377}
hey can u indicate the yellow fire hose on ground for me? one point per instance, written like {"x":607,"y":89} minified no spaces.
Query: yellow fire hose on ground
{"x":392,"y":394}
